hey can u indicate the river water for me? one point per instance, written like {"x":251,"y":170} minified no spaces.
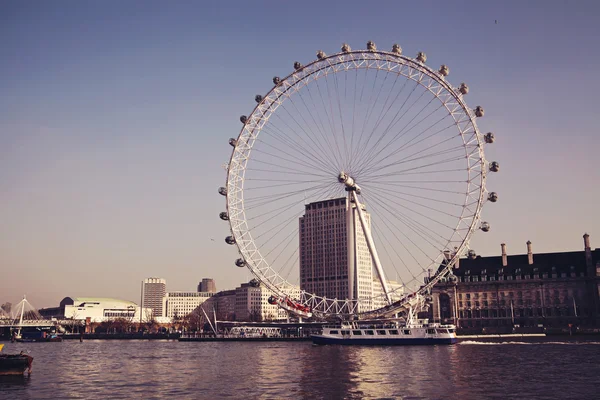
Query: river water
{"x":134,"y":369}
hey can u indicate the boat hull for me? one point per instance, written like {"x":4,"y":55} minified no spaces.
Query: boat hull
{"x":324,"y":340}
{"x":14,"y":364}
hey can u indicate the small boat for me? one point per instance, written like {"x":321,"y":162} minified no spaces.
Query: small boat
{"x":15,"y":364}
{"x":421,"y":332}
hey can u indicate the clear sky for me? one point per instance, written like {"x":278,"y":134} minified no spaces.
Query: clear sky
{"x":114,"y":120}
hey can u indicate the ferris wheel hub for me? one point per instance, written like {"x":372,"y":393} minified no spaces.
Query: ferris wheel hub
{"x":347,"y":180}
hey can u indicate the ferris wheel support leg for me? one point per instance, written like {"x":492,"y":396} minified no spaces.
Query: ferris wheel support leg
{"x":350,"y":235}
{"x":372,"y":249}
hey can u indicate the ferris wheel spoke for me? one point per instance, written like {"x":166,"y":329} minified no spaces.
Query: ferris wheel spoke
{"x":420,"y":231}
{"x":401,"y":133}
{"x":407,"y":220}
{"x":292,"y":161}
{"x":374,"y":158}
{"x":289,"y":170}
{"x":397,"y":192}
{"x":269,"y":199}
{"x":313,"y":155}
{"x":444,"y":161}
{"x":394,"y":233}
{"x":334,"y":132}
{"x":396,"y":119}
{"x":382,"y":238}
{"x":406,"y":160}
{"x":319,"y":141}
{"x":392,"y":200}
{"x":319,"y":148}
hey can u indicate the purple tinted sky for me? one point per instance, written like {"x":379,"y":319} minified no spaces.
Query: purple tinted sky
{"x":114,"y":120}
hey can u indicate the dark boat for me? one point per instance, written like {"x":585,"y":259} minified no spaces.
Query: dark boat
{"x":15,"y":364}
{"x":38,"y":336}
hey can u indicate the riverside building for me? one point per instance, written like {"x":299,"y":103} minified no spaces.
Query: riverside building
{"x":324,"y":240}
{"x":525,"y":290}
{"x":153,"y":291}
{"x":180,"y":304}
{"x":252,"y":303}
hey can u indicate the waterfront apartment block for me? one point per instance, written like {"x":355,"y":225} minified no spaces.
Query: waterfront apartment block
{"x":525,"y":290}
{"x":325,"y":236}
{"x":153,"y":291}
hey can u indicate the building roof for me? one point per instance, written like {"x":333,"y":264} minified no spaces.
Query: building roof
{"x":81,"y":300}
{"x":544,"y":262}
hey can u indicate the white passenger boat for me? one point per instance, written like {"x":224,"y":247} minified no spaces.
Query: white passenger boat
{"x":420,"y":332}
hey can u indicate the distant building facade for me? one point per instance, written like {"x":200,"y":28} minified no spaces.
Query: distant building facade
{"x":180,"y":304}
{"x":527,"y":290}
{"x":324,"y":241}
{"x":251,"y":303}
{"x":153,"y":291}
{"x":100,"y":309}
{"x":207,"y":285}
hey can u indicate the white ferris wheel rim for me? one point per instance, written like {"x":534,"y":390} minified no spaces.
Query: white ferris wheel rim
{"x":390,"y":62}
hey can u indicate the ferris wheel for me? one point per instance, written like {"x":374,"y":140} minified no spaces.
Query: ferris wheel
{"x":356,"y":183}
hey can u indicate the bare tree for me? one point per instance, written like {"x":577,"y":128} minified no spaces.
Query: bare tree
{"x":7,"y":307}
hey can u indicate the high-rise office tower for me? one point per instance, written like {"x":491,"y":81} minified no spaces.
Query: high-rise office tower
{"x":325,"y":236}
{"x":153,"y":291}
{"x":207,"y":285}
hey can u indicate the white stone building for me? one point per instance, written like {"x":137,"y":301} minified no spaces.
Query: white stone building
{"x":100,"y":309}
{"x":181,"y":304}
{"x":251,"y":303}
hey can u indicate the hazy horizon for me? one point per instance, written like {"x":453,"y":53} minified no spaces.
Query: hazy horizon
{"x":114,"y":122}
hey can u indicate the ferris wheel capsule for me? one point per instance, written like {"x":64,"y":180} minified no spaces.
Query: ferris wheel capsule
{"x":258,"y":98}
{"x":485,"y":226}
{"x":463,"y":89}
{"x":240,"y":262}
{"x":223,"y":191}
{"x":276,"y":80}
{"x":494,"y":166}
{"x":371,"y":46}
{"x":444,"y":70}
{"x":321,"y":54}
{"x":396,"y":49}
{"x":232,"y":142}
{"x":346,"y":48}
{"x":243,"y":119}
{"x":421,"y":57}
{"x":297,"y":65}
{"x":472,"y":255}
{"x":489,"y":137}
{"x":224,"y":216}
{"x":493,"y":197}
{"x":479,"y":112}
{"x":229,"y":240}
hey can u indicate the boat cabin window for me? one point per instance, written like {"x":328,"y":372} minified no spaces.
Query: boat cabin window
{"x":393,"y":332}
{"x":406,"y":331}
{"x":369,"y":332}
{"x":381,"y":332}
{"x":332,"y":332}
{"x":450,"y":330}
{"x":431,"y":331}
{"x":345,"y":332}
{"x":439,"y":330}
{"x":357,"y":333}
